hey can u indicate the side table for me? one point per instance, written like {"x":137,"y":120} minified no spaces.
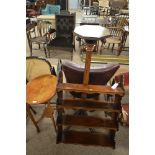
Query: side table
{"x":40,"y":91}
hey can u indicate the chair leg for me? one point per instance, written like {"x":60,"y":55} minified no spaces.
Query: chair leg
{"x":31,"y":117}
{"x":30,"y":49}
{"x":102,"y":44}
{"x":45,"y":50}
{"x":48,"y":51}
{"x":39,"y":46}
{"x":113,"y":47}
{"x":119,"y":49}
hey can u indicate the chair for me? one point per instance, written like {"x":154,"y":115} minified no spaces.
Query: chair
{"x":73,"y":127}
{"x":116,"y":37}
{"x":65,"y":24}
{"x":36,"y":67}
{"x":39,"y":33}
{"x":122,"y":20}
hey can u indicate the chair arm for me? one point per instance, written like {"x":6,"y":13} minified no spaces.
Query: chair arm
{"x":50,"y":35}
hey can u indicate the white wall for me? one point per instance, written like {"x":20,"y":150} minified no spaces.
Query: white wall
{"x":73,"y":4}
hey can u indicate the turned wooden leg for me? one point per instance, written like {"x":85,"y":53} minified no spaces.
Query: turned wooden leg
{"x":31,"y":117}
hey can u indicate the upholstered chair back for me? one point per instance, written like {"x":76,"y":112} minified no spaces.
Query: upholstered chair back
{"x":36,"y":67}
{"x":98,"y":75}
{"x":65,"y":24}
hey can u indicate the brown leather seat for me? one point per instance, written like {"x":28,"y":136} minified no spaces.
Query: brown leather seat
{"x":98,"y":75}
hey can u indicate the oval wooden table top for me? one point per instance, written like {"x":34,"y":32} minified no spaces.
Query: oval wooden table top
{"x":41,"y":89}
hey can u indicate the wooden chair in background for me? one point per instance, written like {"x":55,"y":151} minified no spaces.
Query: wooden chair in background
{"x":116,"y":37}
{"x":39,"y":33}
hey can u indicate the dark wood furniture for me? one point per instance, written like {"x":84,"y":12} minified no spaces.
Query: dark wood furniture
{"x":72,"y":128}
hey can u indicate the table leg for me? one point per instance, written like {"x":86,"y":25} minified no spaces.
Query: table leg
{"x":31,"y":117}
{"x":48,"y":113}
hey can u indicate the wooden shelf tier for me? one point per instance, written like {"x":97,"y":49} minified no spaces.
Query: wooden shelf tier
{"x":89,"y":89}
{"x":88,"y":104}
{"x":87,"y":121}
{"x":87,"y":138}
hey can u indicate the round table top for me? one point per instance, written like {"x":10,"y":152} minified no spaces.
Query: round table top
{"x":91,"y":32}
{"x":41,"y":89}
